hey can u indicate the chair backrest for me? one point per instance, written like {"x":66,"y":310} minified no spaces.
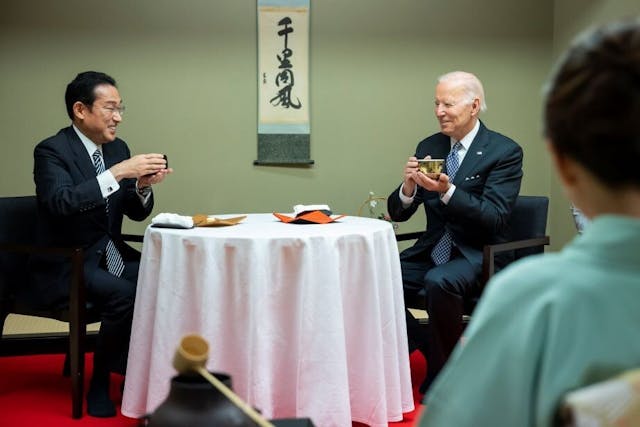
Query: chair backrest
{"x":529,"y":220}
{"x":18,"y":217}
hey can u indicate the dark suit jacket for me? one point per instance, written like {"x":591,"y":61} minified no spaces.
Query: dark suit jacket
{"x":487,"y":184}
{"x":71,"y":210}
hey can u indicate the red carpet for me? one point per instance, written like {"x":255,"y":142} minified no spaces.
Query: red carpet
{"x":33,"y":392}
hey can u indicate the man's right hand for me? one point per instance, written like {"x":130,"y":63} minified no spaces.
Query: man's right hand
{"x":413,"y":177}
{"x":138,"y":166}
{"x":410,"y":169}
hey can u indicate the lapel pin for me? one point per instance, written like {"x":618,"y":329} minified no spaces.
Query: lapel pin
{"x":479,"y":153}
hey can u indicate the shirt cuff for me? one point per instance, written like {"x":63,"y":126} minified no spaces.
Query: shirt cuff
{"x":108,"y":184}
{"x":406,"y":201}
{"x":444,"y":198}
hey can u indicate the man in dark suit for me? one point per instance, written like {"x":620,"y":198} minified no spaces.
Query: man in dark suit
{"x":86,"y":180}
{"x":467,"y":206}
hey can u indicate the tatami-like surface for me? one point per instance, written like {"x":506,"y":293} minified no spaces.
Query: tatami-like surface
{"x":19,"y":324}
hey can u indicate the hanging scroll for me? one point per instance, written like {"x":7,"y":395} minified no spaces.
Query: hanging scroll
{"x":283,"y":82}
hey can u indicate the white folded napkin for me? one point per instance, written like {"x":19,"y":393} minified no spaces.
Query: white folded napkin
{"x":298,"y":209}
{"x":172,"y":220}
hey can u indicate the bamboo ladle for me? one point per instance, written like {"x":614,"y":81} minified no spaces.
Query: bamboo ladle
{"x":191,"y":356}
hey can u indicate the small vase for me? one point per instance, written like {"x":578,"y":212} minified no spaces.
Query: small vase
{"x":194,"y":402}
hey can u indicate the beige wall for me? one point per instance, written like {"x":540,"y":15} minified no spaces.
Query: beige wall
{"x":187,"y":73}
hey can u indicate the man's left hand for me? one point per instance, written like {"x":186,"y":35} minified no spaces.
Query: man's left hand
{"x":440,"y":185}
{"x":155,"y":178}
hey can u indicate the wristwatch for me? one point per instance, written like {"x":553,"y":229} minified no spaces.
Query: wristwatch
{"x":144,"y":191}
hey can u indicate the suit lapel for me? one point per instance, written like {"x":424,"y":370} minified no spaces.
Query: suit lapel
{"x":476,"y":151}
{"x":79,"y":152}
{"x":108,"y":155}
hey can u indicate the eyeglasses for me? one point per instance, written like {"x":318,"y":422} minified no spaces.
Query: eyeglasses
{"x":113,"y":110}
{"x":110,"y":109}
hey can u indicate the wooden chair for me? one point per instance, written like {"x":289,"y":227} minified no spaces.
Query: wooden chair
{"x":528,"y":225}
{"x":18,"y":217}
{"x":610,"y":402}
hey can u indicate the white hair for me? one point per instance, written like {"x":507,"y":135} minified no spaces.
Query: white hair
{"x":470,"y":84}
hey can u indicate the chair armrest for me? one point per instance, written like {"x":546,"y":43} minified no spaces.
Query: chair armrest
{"x":31,"y":249}
{"x":409,"y":236}
{"x":133,"y":237}
{"x":490,"y":251}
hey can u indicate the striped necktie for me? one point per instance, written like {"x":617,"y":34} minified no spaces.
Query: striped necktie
{"x":441,"y":252}
{"x":115,"y":265}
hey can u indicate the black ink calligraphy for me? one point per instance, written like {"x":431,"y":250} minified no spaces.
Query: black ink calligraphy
{"x":285,"y":79}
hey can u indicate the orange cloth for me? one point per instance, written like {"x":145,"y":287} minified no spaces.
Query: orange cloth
{"x":313,"y":217}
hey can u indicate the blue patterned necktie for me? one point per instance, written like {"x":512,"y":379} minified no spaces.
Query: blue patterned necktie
{"x":115,"y":265}
{"x":441,"y":252}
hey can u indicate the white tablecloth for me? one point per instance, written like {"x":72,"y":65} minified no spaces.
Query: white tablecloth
{"x":307,"y":319}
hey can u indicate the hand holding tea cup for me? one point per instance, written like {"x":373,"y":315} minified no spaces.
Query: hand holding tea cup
{"x":429,"y":175}
{"x":152,"y":167}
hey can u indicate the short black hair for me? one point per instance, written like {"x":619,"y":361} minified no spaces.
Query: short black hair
{"x":592,"y":105}
{"x":82,"y":89}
